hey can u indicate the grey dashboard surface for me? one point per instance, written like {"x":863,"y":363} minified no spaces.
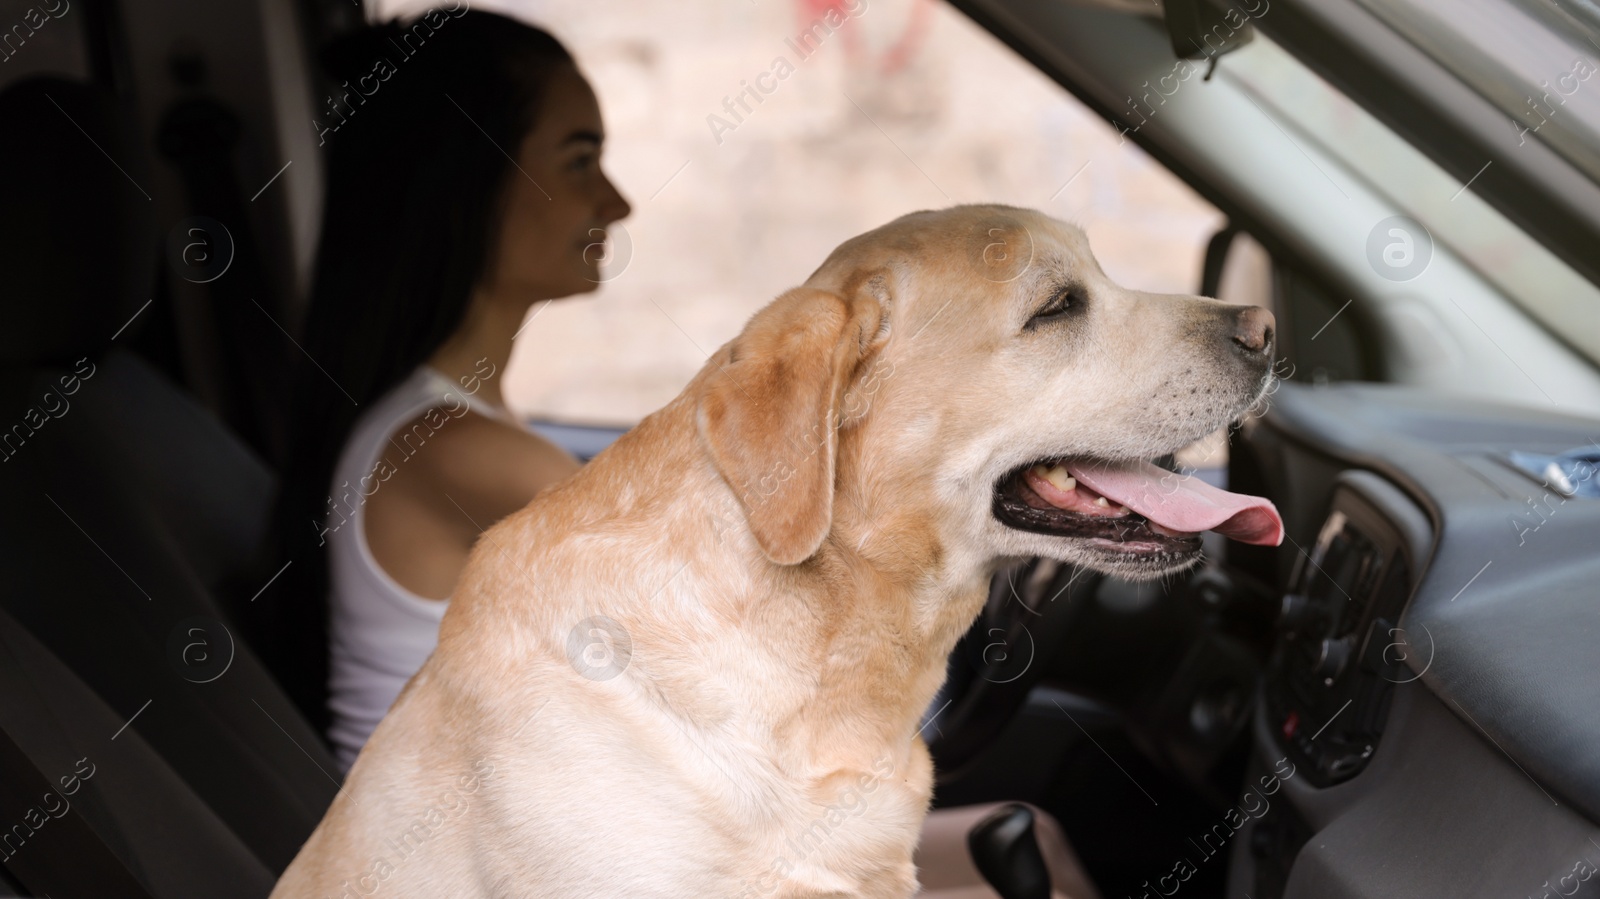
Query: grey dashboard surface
{"x":1510,"y":598}
{"x":1439,"y":813}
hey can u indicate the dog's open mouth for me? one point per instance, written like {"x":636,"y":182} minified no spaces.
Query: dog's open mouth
{"x":1130,"y":507}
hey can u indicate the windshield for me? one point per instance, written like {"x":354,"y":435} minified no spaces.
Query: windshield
{"x":1535,"y":59}
{"x":1517,"y":265}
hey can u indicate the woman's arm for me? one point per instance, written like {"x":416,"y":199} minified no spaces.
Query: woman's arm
{"x":446,"y":488}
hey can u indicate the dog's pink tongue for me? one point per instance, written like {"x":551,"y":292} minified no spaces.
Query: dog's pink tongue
{"x":1183,"y":502}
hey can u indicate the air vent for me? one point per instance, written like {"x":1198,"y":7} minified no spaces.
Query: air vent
{"x":1332,"y":676}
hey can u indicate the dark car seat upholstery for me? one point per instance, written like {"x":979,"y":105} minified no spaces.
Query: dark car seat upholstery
{"x":128,"y":508}
{"x":153,"y":825}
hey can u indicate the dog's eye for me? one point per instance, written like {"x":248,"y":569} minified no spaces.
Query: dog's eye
{"x":1064,"y":302}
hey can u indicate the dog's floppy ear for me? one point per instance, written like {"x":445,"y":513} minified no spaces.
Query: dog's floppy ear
{"x":770,"y":418}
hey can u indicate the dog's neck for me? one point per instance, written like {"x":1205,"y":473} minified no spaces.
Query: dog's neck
{"x":888,"y":602}
{"x":865,"y":625}
{"x":899,"y":610}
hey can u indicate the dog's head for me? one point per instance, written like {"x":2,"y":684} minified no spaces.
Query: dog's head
{"x":975,"y":369}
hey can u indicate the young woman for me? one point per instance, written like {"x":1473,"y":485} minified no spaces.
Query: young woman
{"x":464,"y":186}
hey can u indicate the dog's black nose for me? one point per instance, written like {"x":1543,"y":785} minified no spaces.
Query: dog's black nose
{"x":1252,"y":329}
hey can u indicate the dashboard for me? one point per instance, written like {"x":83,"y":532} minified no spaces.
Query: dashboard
{"x":1331,"y":679}
{"x":1429,"y":719}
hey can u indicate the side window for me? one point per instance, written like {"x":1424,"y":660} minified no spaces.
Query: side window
{"x":1322,"y":334}
{"x":752,"y":139}
{"x":1321,"y":337}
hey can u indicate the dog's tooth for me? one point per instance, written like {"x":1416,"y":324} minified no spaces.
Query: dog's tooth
{"x":1059,"y":478}
{"x":1103,"y":503}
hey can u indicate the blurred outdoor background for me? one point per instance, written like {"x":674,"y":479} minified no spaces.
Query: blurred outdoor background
{"x":907,"y":106}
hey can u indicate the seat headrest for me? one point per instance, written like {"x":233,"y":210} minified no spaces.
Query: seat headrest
{"x":77,"y":241}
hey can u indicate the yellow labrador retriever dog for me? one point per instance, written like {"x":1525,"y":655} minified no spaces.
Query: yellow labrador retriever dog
{"x":696,"y":667}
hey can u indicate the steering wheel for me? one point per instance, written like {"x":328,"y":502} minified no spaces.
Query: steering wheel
{"x":1001,"y":657}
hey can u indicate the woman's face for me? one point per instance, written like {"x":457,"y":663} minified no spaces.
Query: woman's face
{"x":560,"y":201}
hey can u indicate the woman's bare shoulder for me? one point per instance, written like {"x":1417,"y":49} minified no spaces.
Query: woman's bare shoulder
{"x":485,"y":465}
{"x":449,"y":479}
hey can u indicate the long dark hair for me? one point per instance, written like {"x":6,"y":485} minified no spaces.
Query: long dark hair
{"x":416,"y":136}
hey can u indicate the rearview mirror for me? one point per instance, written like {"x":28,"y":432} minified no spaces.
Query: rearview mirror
{"x":1200,"y":29}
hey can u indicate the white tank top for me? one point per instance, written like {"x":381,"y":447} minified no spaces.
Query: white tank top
{"x":380,"y":633}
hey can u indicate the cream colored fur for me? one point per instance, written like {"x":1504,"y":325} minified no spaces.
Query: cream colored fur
{"x":696,"y":667}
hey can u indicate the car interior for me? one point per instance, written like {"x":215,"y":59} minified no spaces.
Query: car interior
{"x":1400,"y":700}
